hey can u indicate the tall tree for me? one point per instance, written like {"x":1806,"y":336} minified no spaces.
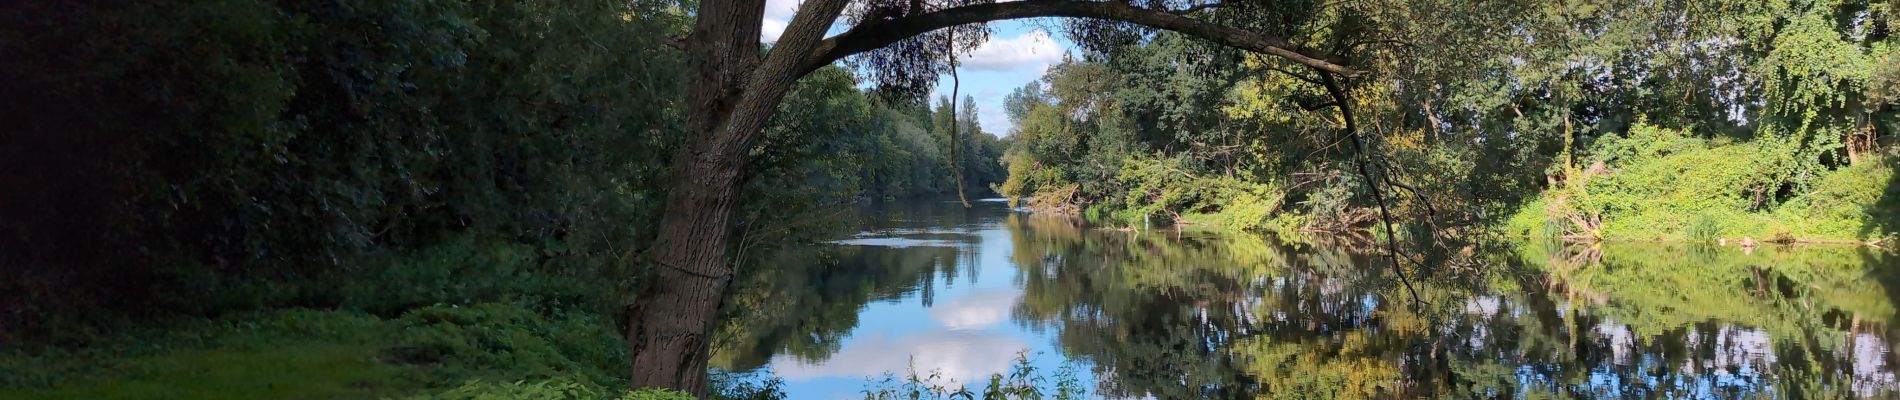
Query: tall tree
{"x":736,"y":87}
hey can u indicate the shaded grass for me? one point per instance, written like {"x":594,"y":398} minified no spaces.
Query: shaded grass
{"x":312,"y":354}
{"x":306,"y":370}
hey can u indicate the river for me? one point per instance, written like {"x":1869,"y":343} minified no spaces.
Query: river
{"x":934,"y":288}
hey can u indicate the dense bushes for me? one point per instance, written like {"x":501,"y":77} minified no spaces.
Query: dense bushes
{"x":1656,"y":183}
{"x":1741,"y":120}
{"x":1164,"y":190}
{"x":176,"y":148}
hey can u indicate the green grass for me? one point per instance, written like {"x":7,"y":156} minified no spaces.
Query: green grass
{"x":292,"y":370}
{"x":430,"y":352}
{"x":283,"y":354}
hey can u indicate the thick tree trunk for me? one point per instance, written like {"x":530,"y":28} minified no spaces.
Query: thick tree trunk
{"x":667,"y":329}
{"x":734,"y":94}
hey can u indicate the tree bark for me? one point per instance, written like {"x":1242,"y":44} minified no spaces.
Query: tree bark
{"x":733,"y":96}
{"x":689,"y":273}
{"x":734,"y":93}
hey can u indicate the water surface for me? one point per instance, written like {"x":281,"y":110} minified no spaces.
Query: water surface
{"x":934,"y":288}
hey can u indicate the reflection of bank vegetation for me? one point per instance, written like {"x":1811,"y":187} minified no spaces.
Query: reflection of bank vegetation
{"x":1184,"y":315}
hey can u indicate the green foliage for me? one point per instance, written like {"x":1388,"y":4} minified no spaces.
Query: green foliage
{"x":151,"y":349}
{"x":507,"y":343}
{"x":326,"y":354}
{"x":1164,"y":190}
{"x":219,"y":155}
{"x":306,"y":371}
{"x":236,"y":143}
{"x":1860,"y":201}
{"x":1706,"y":130}
{"x":1655,"y":183}
{"x":464,"y":271}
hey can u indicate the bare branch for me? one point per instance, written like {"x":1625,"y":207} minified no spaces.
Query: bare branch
{"x":872,"y":35}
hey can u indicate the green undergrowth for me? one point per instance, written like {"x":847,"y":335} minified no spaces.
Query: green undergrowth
{"x":482,"y":351}
{"x":1162,"y":192}
{"x":465,"y":319}
{"x":1665,"y":184}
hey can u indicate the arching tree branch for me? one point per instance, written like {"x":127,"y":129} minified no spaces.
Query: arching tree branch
{"x":872,"y":35}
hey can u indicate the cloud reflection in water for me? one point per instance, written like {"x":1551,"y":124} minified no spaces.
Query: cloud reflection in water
{"x":959,"y":355}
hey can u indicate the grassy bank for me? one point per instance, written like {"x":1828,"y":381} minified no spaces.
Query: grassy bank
{"x":488,"y":350}
{"x":466,"y":319}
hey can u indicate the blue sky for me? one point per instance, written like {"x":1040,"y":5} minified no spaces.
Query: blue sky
{"x":1017,"y":53}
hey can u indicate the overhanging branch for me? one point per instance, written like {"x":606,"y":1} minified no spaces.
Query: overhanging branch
{"x":1351,"y":130}
{"x":872,"y":35}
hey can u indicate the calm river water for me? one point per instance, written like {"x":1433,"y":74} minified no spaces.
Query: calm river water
{"x":1161,"y":314}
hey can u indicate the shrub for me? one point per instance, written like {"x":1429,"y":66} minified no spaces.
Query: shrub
{"x":1170,"y":190}
{"x":465,"y":270}
{"x":507,"y":342}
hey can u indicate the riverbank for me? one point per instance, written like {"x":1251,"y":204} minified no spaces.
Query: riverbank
{"x":1655,"y":184}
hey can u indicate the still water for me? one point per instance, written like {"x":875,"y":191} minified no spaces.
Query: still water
{"x":932,"y":287}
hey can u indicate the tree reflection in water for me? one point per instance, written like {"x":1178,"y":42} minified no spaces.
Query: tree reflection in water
{"x":1200,"y":315}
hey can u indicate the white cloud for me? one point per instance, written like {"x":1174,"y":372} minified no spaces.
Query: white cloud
{"x":959,"y":356}
{"x":977,"y":310}
{"x":778,"y":14}
{"x":771,"y":30}
{"x":1035,"y":51}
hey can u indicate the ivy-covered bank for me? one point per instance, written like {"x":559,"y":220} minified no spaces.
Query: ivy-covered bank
{"x":1667,"y":184}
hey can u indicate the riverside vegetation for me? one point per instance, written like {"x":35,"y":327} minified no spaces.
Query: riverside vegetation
{"x":1770,"y":121}
{"x":455,"y":199}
